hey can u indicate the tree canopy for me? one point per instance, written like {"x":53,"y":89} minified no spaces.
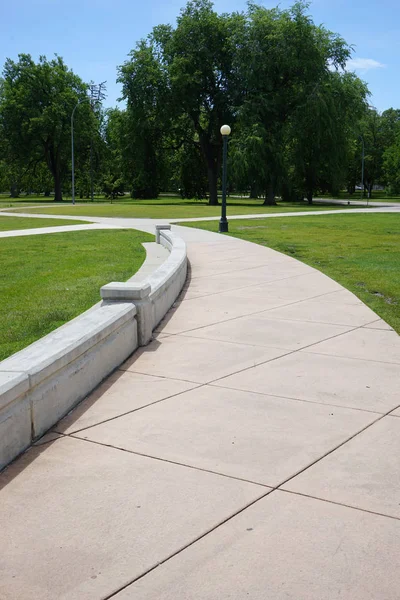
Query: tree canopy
{"x":36,"y":102}
{"x":299,"y":119}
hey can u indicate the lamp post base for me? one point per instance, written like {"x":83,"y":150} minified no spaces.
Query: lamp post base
{"x":223,"y":226}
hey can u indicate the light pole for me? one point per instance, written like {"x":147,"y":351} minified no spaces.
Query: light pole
{"x":72,"y":146}
{"x":223,"y":223}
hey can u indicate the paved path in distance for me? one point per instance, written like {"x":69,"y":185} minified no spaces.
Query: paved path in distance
{"x":250,"y":451}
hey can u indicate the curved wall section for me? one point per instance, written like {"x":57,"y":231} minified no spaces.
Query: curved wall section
{"x":41,"y":383}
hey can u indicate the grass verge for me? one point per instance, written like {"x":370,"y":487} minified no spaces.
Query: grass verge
{"x":46,"y":280}
{"x":359,"y":251}
{"x":14,"y":223}
{"x":176,"y":208}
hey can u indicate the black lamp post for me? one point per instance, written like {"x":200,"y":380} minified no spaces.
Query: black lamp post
{"x":223,"y":223}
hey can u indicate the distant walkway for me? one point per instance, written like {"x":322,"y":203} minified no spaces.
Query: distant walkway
{"x":149,"y":224}
{"x":250,"y":451}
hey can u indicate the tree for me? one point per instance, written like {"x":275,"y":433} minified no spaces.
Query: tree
{"x":36,"y":102}
{"x":391,"y":154}
{"x":374,"y":143}
{"x":322,"y":130}
{"x":183,"y":74}
{"x":143,"y":81}
{"x":288,"y":122}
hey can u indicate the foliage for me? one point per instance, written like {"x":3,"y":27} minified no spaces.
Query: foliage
{"x":36,"y":102}
{"x":321,"y":131}
{"x":299,"y":119}
{"x":189,"y":79}
{"x":391,"y":153}
{"x":266,"y":72}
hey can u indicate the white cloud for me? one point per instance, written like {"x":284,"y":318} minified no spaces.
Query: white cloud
{"x":364,"y":64}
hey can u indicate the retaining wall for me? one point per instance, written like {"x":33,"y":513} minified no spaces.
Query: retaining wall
{"x":41,"y":383}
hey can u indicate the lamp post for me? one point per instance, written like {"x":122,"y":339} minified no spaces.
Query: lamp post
{"x":223,"y":223}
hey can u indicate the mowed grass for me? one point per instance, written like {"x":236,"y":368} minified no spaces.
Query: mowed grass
{"x":12,"y":223}
{"x":359,"y":251}
{"x":46,"y":280}
{"x":175,"y":208}
{"x":377,"y":196}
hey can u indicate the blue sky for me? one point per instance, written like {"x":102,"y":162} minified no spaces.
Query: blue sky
{"x":94,"y":36}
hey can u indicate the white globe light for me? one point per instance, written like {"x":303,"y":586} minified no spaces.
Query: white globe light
{"x":225,"y":130}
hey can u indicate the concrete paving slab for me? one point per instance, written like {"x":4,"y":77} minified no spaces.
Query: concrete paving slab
{"x":47,"y":437}
{"x":200,"y":312}
{"x":201,"y":286}
{"x":258,"y":438}
{"x":363,"y":473}
{"x":366,"y":344}
{"x":70,"y":519}
{"x":319,"y":311}
{"x":207,"y":268}
{"x":326,"y":379}
{"x":260,"y":330}
{"x":305,"y":285}
{"x":379,"y":324}
{"x":285,"y":547}
{"x":79,"y":520}
{"x":122,"y":392}
{"x":194,"y":360}
{"x":341,"y":296}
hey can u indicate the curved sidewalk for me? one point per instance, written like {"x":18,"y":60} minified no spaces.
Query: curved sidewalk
{"x":250,"y":451}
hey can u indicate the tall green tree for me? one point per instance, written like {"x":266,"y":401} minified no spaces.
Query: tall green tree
{"x":36,"y":102}
{"x":322,"y":129}
{"x":285,"y":61}
{"x":391,"y":155}
{"x":374,"y":135}
{"x":144,"y":87}
{"x":189,"y":75}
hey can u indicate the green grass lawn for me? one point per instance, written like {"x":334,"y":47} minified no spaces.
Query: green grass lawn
{"x":7,"y":202}
{"x":175,"y":208}
{"x":11,"y":223}
{"x":359,"y":251}
{"x":377,"y":196}
{"x":46,"y":280}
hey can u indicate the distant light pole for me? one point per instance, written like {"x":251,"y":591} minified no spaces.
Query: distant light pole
{"x":223,"y":223}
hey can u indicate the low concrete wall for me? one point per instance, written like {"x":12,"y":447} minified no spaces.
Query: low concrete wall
{"x":153,"y":296}
{"x":41,"y":383}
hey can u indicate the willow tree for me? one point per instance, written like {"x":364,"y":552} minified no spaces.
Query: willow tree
{"x":284,"y":60}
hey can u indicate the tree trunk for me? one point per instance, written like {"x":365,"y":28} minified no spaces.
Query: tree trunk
{"x":212,"y":183}
{"x":309,"y":196}
{"x":211,"y":155}
{"x":14,"y":190}
{"x":270,"y":195}
{"x":253,"y":192}
{"x":47,"y":193}
{"x":57,"y":187}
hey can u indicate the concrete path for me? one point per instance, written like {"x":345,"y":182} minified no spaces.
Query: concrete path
{"x":149,"y":224}
{"x":250,"y":451}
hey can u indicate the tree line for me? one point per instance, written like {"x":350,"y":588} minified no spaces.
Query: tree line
{"x":299,"y":120}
